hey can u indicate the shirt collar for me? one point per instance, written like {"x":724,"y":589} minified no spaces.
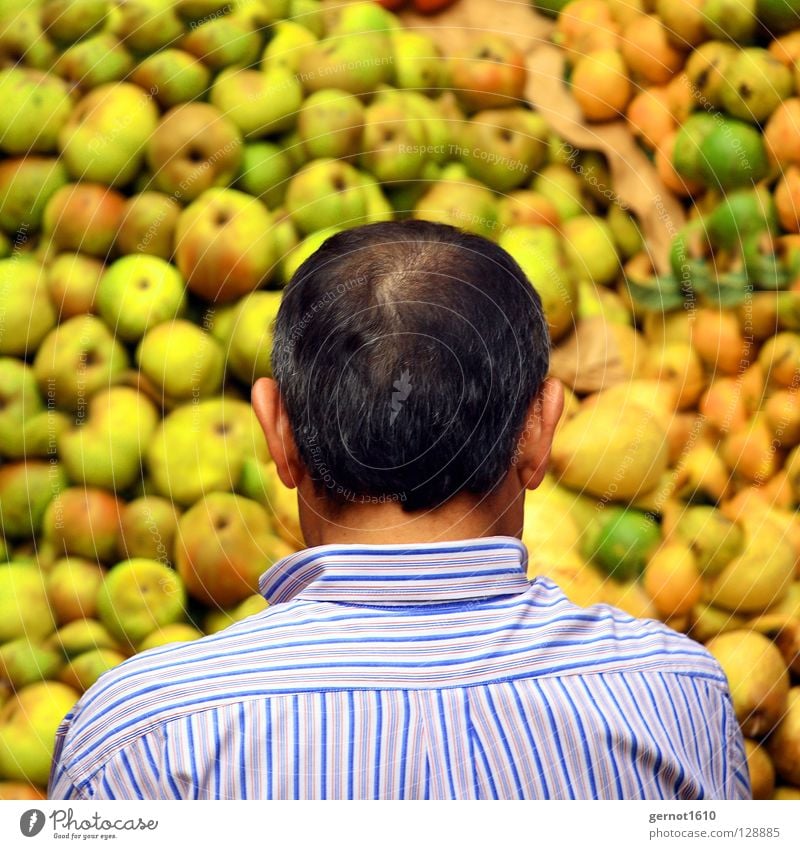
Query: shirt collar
{"x":394,"y":574}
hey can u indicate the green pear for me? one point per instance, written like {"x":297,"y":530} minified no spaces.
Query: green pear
{"x":83,"y":217}
{"x":394,"y":147}
{"x":378,"y":206}
{"x":107,"y":448}
{"x":23,"y":41}
{"x":104,"y":138}
{"x":250,"y":346}
{"x":266,"y":170}
{"x":71,"y":20}
{"x":19,"y":399}
{"x":27,"y":314}
{"x":361,"y":17}
{"x":217,"y":619}
{"x":687,"y":157}
{"x":438,"y":127}
{"x":138,"y":292}
{"x":40,"y":434}
{"x":72,"y":585}
{"x":488,"y":72}
{"x":138,"y":596}
{"x":182,"y":360}
{"x":294,"y":149}
{"x":299,"y":254}
{"x":330,"y":124}
{"x":83,"y":521}
{"x":310,"y":14}
{"x":195,"y":10}
{"x":147,"y":25}
{"x":461,"y":203}
{"x":81,"y":636}
{"x":72,"y":281}
{"x":85,"y":669}
{"x":177,"y":632}
{"x":258,"y":15}
{"x":26,"y":185}
{"x":94,"y":62}
{"x":562,"y":187}
{"x":732,"y":19}
{"x":755,"y":84}
{"x":783,"y":744}
{"x":35,"y":106}
{"x":148,"y":528}
{"x":26,"y":488}
{"x":223,"y":42}
{"x":589,"y":246}
{"x":76,"y":359}
{"x":23,"y":603}
{"x":733,"y":155}
{"x":260,"y":482}
{"x":148,"y":225}
{"x":224,"y":431}
{"x":175,"y":77}
{"x":355,"y":62}
{"x":418,"y":63}
{"x":286,"y":46}
{"x":23,"y":662}
{"x":28,"y":725}
{"x":625,"y":231}
{"x":714,"y":539}
{"x":325,"y":193}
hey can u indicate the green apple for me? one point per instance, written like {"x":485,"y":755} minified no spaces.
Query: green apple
{"x":355,"y":62}
{"x":562,"y":187}
{"x":378,"y":206}
{"x":260,"y":103}
{"x":224,"y":544}
{"x":72,"y":20}
{"x":77,"y":358}
{"x":138,"y":292}
{"x":148,"y":528}
{"x":35,"y":107}
{"x":147,"y":25}
{"x":148,"y":225}
{"x":83,"y":521}
{"x":736,"y":20}
{"x":24,"y":661}
{"x":250,"y":346}
{"x":177,"y":632}
{"x":138,"y":596}
{"x":298,"y":255}
{"x":94,"y":62}
{"x":194,"y":148}
{"x":72,"y":281}
{"x":40,"y":434}
{"x":26,"y":314}
{"x":79,"y":636}
{"x":258,"y":15}
{"x":418,"y":64}
{"x":266,"y":170}
{"x":223,"y":42}
{"x":286,"y":46}
{"x":26,"y":184}
{"x":26,"y":489}
{"x":83,"y":217}
{"x":330,"y":124}
{"x":24,"y":604}
{"x":437,"y":123}
{"x":310,"y":14}
{"x":224,"y":432}
{"x":325,"y":193}
{"x":28,"y":725}
{"x":181,"y":360}
{"x":106,"y":449}
{"x":589,"y":245}
{"x":395,"y":145}
{"x":260,"y":482}
{"x":105,"y":136}
{"x":85,"y":669}
{"x":72,"y":586}
{"x":224,"y":245}
{"x":284,"y":234}
{"x":174,"y":75}
{"x":359,"y":17}
{"x":19,"y":399}
{"x":460,"y":203}
{"x":23,"y":41}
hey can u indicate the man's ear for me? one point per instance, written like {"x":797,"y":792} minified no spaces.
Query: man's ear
{"x":271,"y":414}
{"x":536,"y":440}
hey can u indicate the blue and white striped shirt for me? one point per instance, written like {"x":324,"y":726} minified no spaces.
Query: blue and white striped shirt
{"x":427,"y":672}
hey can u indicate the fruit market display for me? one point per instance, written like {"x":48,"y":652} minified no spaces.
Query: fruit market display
{"x":166,"y":166}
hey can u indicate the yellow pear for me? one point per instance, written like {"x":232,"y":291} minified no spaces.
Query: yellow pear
{"x":672,"y":580}
{"x":762,"y":770}
{"x":784,"y":743}
{"x":630,"y":597}
{"x":709,"y":621}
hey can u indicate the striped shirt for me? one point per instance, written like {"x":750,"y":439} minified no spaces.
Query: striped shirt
{"x":428,"y":672}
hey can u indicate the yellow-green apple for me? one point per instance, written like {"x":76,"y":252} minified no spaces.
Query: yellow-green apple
{"x":181,"y":360}
{"x":94,"y":62}
{"x":23,"y":661}
{"x":488,"y":73}
{"x":27,"y":314}
{"x":504,"y":148}
{"x":299,"y":254}
{"x":461,"y":203}
{"x":104,"y":138}
{"x":223,"y":433}
{"x":540,"y":253}
{"x":40,"y":434}
{"x":218,"y":619}
{"x":260,"y":103}
{"x":435,"y":120}
{"x":23,"y":603}
{"x":563,"y":188}
{"x":330,"y":124}
{"x":589,"y":246}
{"x":178,"y":632}
{"x":194,"y":148}
{"x":195,"y":10}
{"x":310,"y":14}
{"x":325,"y":193}
{"x":250,"y":345}
{"x":138,"y":596}
{"x":223,"y":245}
{"x":286,"y":46}
{"x":77,"y":358}
{"x":147,"y":25}
{"x":361,"y":17}
{"x":23,"y":41}
{"x":148,"y":528}
{"x":224,"y":544}
{"x":138,"y":292}
{"x":84,"y":669}
{"x":394,"y":146}
{"x":285,"y":233}
{"x":222,"y":42}
{"x":266,"y":170}
{"x":72,"y":281}
{"x":356,"y":62}
{"x":418,"y":64}
{"x":258,"y":15}
{"x":106,"y":449}
{"x":72,"y":585}
{"x":174,"y":76}
{"x":293,"y":147}
{"x":66,"y":21}
{"x":28,"y":725}
{"x":26,"y":488}
{"x":19,"y":399}
{"x":35,"y":106}
{"x":260,"y":482}
{"x":26,"y":184}
{"x":83,"y":217}
{"x":148,"y":225}
{"x":83,"y":521}
{"x":81,"y":635}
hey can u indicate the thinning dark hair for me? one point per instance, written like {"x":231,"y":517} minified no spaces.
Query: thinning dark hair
{"x":407,"y":355}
